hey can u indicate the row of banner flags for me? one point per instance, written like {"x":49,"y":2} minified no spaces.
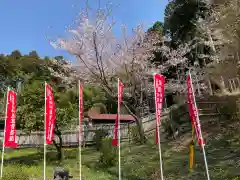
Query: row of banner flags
{"x":9,"y":139}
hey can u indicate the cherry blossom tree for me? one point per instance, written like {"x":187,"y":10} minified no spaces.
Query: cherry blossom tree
{"x":192,"y":55}
{"x":63,"y":70}
{"x":102,"y":57}
{"x":175,"y":63}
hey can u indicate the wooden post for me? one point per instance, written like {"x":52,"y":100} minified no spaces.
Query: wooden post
{"x":230,"y":83}
{"x":129,"y":135}
{"x":238,"y":82}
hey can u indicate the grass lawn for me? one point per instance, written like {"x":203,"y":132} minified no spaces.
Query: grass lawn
{"x":31,"y":162}
{"x":141,"y":162}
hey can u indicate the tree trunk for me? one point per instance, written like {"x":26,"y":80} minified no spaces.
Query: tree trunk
{"x":138,"y":122}
{"x":58,"y":146}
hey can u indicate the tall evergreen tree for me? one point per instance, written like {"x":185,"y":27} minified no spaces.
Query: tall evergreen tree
{"x":181,"y":18}
{"x":33,"y":54}
{"x":16,"y":54}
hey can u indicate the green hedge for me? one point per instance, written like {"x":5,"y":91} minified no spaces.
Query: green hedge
{"x":134,"y":134}
{"x":99,"y":135}
{"x":108,"y":154}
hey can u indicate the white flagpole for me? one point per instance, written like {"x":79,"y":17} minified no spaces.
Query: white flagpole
{"x":44,"y":146}
{"x":3,"y":147}
{"x":80,"y":133}
{"x":119,"y":136}
{"x":159,"y":140}
{"x":200,"y":133}
{"x":160,"y":151}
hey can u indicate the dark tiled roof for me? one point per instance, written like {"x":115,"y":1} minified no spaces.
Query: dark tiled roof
{"x":123,"y":117}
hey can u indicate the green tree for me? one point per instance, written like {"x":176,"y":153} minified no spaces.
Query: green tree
{"x":181,"y":17}
{"x":157,"y":27}
{"x":67,"y":114}
{"x":16,"y":54}
{"x":31,"y":107}
{"x":94,"y":96}
{"x":33,"y":54}
{"x":31,"y":111}
{"x":32,"y":72}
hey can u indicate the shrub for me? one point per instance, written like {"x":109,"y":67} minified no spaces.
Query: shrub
{"x":230,"y":109}
{"x":107,"y":153}
{"x":179,"y":114}
{"x":15,"y":173}
{"x":134,"y":134}
{"x":99,"y":135}
{"x":177,"y":117}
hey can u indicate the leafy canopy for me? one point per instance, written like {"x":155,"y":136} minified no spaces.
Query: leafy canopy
{"x":33,"y":72}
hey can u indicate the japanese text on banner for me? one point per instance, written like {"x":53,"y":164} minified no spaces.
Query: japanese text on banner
{"x":80,"y":111}
{"x":193,"y":111}
{"x":115,"y":133}
{"x":159,"y":82}
{"x":10,"y":125}
{"x":50,"y":115}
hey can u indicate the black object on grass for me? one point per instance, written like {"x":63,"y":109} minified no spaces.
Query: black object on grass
{"x":61,"y":174}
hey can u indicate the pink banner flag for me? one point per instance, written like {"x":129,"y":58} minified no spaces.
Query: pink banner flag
{"x":50,"y":114}
{"x":115,"y":133}
{"x":80,"y":110}
{"x":10,"y":124}
{"x":193,"y":111}
{"x":159,"y":82}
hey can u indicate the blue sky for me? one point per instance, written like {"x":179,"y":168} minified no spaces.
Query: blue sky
{"x":25,"y":23}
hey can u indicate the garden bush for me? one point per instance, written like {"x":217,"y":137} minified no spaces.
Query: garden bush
{"x":107,"y":153}
{"x":230,"y":108}
{"x":134,"y":134}
{"x":99,"y":135}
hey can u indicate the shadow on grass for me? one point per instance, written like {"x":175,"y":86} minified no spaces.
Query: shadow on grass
{"x":32,"y":159}
{"x":36,"y":158}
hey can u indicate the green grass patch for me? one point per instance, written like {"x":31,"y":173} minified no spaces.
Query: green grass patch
{"x":139,"y":162}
